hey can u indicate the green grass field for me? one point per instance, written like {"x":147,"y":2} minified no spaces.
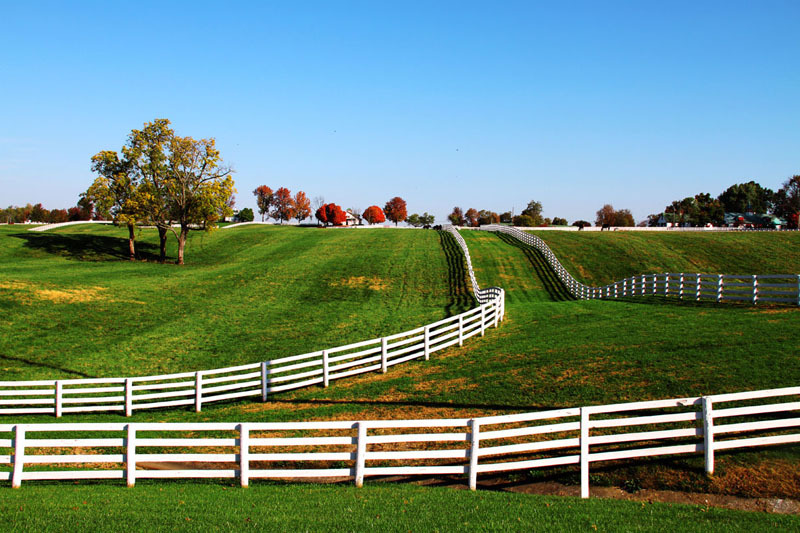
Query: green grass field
{"x":207,"y":507}
{"x":73,"y":306}
{"x":598,"y":258}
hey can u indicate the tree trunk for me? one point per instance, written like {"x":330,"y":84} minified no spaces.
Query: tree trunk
{"x":162,"y":237}
{"x":182,"y":242}
{"x":131,"y":238}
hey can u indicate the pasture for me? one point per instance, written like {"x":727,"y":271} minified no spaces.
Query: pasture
{"x":74,"y":308}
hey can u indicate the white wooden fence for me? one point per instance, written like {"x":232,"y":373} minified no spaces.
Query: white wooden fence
{"x":194,"y":389}
{"x":784,"y":288}
{"x":358,"y":449}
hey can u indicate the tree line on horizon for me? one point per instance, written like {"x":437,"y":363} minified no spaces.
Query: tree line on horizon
{"x":740,"y":198}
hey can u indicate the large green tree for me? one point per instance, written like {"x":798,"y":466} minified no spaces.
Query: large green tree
{"x":115,"y":193}
{"x":747,"y":197}
{"x":147,"y":152}
{"x":197,"y":188}
{"x":534,"y":211}
{"x":162,"y":179}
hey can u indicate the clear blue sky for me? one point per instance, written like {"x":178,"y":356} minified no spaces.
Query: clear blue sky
{"x":484,"y":105}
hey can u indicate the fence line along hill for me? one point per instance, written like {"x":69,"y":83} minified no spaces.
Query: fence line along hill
{"x":360,"y":448}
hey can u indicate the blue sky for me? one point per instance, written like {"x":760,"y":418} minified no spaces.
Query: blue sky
{"x":484,"y":105}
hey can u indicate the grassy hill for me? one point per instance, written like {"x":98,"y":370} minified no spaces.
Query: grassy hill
{"x":599,"y":258}
{"x":73,"y":307}
{"x":254,"y":291}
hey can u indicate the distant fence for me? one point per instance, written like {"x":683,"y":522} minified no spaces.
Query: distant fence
{"x":358,"y":449}
{"x":653,"y":228}
{"x":197,"y":388}
{"x":46,"y":227}
{"x":782,"y":288}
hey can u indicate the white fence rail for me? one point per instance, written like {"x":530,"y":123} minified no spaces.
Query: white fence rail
{"x":195,"y":389}
{"x":773,"y":288}
{"x":358,"y":449}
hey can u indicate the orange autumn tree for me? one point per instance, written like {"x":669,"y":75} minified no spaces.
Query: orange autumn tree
{"x":374,"y":215}
{"x":302,"y":206}
{"x":283,"y":205}
{"x":264,"y":198}
{"x":395,"y":210}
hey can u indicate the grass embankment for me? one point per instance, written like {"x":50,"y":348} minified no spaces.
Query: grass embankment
{"x":567,"y":353}
{"x":549,"y":352}
{"x":600,"y":258}
{"x":203,"y":507}
{"x":74,"y":307}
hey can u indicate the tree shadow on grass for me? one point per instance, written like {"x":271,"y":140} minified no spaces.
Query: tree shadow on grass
{"x":688,"y":302}
{"x":87,"y":247}
{"x":44,"y":365}
{"x":438,"y":405}
{"x":552,"y":285}
{"x":460,"y":298}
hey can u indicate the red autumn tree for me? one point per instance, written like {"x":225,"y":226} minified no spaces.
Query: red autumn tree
{"x":471,"y":217}
{"x":335,"y":215}
{"x":264,"y":198}
{"x":395,"y":210}
{"x":374,"y":215}
{"x":302,"y":206}
{"x":283,"y":205}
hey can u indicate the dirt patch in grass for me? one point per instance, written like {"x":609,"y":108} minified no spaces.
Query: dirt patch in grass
{"x":69,"y":296}
{"x":360,"y":282}
{"x":446,"y":385}
{"x":765,"y":479}
{"x":59,"y":296}
{"x":776,"y":311}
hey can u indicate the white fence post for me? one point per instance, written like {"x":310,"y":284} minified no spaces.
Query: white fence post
{"x":19,"y":456}
{"x":325,"y":366}
{"x":244,"y":455}
{"x":384,"y":351}
{"x":461,"y":330}
{"x":697,"y":288}
{"x":59,"y":398}
{"x":680,"y":287}
{"x":130,"y":455}
{"x":798,"y":289}
{"x":708,"y":433}
{"x":584,"y":440}
{"x":264,"y":380}
{"x":719,"y":287}
{"x":427,"y":342}
{"x":625,"y":287}
{"x":666,"y":284}
{"x":198,"y":391}
{"x":755,"y":289}
{"x":361,"y":452}
{"x":474,"y":439}
{"x":128,"y":396}
{"x":655,"y":283}
{"x":483,"y":319}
